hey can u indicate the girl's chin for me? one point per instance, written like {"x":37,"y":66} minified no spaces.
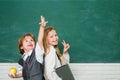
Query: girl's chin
{"x":55,"y":44}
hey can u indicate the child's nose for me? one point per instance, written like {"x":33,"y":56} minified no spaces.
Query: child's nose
{"x":30,"y":41}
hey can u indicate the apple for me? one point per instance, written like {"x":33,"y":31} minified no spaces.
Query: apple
{"x":13,"y":70}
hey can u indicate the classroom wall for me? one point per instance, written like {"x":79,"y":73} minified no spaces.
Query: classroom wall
{"x":91,"y":27}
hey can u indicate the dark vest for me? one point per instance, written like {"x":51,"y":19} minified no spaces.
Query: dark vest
{"x":32,"y":69}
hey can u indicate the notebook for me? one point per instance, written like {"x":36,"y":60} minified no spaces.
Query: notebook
{"x":65,"y":73}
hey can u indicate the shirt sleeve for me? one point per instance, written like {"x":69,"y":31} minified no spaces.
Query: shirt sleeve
{"x":50,"y":66}
{"x":67,"y":58}
{"x":19,"y":69}
{"x":39,"y":53}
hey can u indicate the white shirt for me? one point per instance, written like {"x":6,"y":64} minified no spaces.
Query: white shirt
{"x":51,"y":63}
{"x":38,"y":53}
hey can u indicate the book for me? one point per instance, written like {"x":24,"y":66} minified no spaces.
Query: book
{"x":65,"y":72}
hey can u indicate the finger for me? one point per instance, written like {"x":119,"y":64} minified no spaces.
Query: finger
{"x":46,"y":21}
{"x":63,"y":42}
{"x":11,"y":75}
{"x":68,"y":45}
{"x":42,"y":19}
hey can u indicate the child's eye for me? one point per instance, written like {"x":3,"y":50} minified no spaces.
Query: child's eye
{"x":56,"y":35}
{"x":26,"y":40}
{"x":51,"y":36}
{"x":31,"y":40}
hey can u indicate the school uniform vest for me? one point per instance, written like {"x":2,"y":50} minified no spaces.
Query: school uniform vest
{"x":32,"y":69}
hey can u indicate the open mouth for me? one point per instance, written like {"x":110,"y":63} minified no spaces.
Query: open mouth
{"x":30,"y":45}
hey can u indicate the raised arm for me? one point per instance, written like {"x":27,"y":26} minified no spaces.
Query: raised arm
{"x":65,"y":58}
{"x":41,"y":31}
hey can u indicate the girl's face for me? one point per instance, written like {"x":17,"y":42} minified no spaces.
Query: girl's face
{"x":28,"y":44}
{"x":52,"y":38}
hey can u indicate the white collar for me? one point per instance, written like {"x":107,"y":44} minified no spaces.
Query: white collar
{"x":25,"y":55}
{"x":28,"y":53}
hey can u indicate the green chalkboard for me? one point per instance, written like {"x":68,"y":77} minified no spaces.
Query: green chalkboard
{"x":92,"y":27}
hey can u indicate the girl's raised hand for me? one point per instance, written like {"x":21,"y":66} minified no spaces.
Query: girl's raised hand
{"x":66,"y":46}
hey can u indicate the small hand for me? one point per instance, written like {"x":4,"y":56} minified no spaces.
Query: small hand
{"x":43,"y":22}
{"x":12,"y":75}
{"x":66,"y":46}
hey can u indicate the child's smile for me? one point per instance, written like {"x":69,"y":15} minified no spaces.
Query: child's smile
{"x":30,"y":45}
